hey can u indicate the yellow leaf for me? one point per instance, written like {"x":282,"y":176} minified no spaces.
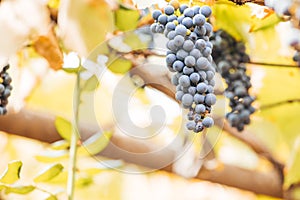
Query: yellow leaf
{"x":12,"y":172}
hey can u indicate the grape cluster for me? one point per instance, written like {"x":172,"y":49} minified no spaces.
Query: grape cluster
{"x":229,"y":56}
{"x":5,"y":89}
{"x":189,"y":56}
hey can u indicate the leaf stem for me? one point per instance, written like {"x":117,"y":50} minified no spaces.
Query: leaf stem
{"x":74,"y":141}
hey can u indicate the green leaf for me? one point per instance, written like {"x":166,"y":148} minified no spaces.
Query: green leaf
{"x":90,"y":85}
{"x":84,"y":181}
{"x":120,"y":66}
{"x":63,"y":127}
{"x":12,"y":172}
{"x":232,"y":19}
{"x":95,"y":144}
{"x":293,"y":165}
{"x":137,"y":39}
{"x":52,"y":156}
{"x":126,"y":19}
{"x":49,"y":173}
{"x":60,"y":145}
{"x":51,"y":197}
{"x":268,"y":22}
{"x":19,"y":189}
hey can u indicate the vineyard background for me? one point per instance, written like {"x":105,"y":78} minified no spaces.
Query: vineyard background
{"x":37,"y":39}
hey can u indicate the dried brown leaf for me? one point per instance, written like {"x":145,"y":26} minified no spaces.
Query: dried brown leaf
{"x":47,"y":46}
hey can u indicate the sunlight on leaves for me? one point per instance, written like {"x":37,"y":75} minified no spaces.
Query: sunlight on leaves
{"x":19,"y":189}
{"x":126,"y":19}
{"x":83,"y":181}
{"x":120,"y":66}
{"x":60,"y":145}
{"x":232,"y":18}
{"x":267,"y":22}
{"x":51,"y":197}
{"x":12,"y":172}
{"x":49,"y":173}
{"x":95,"y":143}
{"x":63,"y":127}
{"x":52,"y":156}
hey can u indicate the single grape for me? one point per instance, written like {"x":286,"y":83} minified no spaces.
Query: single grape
{"x":195,"y":78}
{"x":188,"y":45}
{"x":206,"y":11}
{"x":180,"y":30}
{"x":184,"y":81}
{"x":192,"y":90}
{"x":163,"y":19}
{"x":200,"y":109}
{"x":170,"y":59}
{"x":208,"y":122}
{"x":190,"y":61}
{"x":202,"y":63}
{"x":200,"y":44}
{"x":183,"y":7}
{"x":187,"y":22}
{"x":199,"y":20}
{"x":191,"y":125}
{"x":179,"y":40}
{"x":170,"y":26}
{"x":201,"y":88}
{"x":195,"y":53}
{"x":169,"y":10}
{"x":156,"y":14}
{"x":187,"y":100}
{"x":178,"y":65}
{"x":210,"y":99}
{"x":189,"y":12}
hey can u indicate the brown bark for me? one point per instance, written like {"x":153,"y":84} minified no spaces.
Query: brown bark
{"x":40,"y":126}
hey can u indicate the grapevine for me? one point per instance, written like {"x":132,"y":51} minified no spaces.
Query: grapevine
{"x":189,"y":57}
{"x":230,"y":57}
{"x":5,"y":89}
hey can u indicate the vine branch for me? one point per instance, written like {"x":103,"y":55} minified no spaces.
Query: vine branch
{"x":273,"y":105}
{"x":32,"y":124}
